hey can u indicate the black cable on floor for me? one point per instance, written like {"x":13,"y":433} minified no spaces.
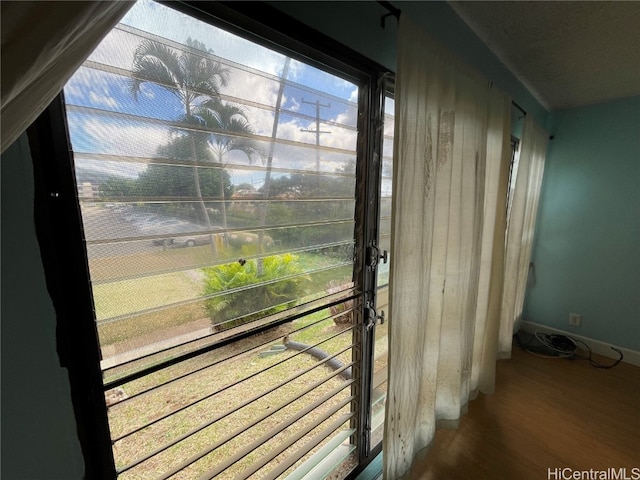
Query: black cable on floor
{"x":562,"y":346}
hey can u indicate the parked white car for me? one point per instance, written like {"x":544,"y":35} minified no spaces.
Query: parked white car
{"x":167,"y":228}
{"x":195,"y":238}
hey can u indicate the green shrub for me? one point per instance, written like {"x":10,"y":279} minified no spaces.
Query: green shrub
{"x":264,"y":289}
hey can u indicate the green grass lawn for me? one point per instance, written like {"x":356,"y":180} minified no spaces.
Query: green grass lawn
{"x":131,"y":297}
{"x":140,"y":302}
{"x":135,"y":295}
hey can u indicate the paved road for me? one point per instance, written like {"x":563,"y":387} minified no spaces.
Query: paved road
{"x":102,"y":224}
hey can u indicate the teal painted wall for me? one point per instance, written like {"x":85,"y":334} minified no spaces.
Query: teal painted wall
{"x":587,"y":245}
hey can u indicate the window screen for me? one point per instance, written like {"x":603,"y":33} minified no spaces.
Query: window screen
{"x":216,"y":180}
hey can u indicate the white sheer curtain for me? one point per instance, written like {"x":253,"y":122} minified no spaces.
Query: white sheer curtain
{"x":43,"y":43}
{"x":522,"y":220}
{"x":451,"y":160}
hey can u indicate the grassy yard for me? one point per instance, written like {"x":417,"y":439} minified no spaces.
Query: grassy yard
{"x":129,"y":297}
{"x":182,"y":407}
{"x":135,"y":295}
{"x":237,"y":378}
{"x":140,"y":301}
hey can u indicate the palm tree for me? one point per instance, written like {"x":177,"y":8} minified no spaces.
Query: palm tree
{"x":266,"y":188}
{"x":192,"y":76}
{"x":231,"y":131}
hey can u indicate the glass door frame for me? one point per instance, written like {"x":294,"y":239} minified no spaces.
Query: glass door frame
{"x":65,"y":258}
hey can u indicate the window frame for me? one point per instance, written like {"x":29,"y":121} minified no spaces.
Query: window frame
{"x":65,"y":258}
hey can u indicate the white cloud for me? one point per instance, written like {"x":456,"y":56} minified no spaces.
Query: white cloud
{"x":147,"y":91}
{"x":168,"y":23}
{"x":103,"y":99}
{"x":105,"y":169}
{"x":106,"y":135}
{"x":354,"y":95}
{"x":88,"y":86}
{"x":296,"y":105}
{"x":97,"y":135}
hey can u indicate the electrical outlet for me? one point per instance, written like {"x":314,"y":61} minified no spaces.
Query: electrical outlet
{"x":575,"y":319}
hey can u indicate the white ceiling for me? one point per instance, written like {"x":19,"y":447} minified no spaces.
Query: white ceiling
{"x":567,"y":54}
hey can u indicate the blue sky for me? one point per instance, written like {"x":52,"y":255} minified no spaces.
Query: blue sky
{"x":117,"y":134}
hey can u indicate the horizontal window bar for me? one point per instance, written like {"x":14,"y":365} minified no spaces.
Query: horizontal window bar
{"x":326,"y":453}
{"x":206,"y":297}
{"x":107,"y":157}
{"x":301,"y":452}
{"x":253,"y":199}
{"x":237,"y":432}
{"x":182,"y":377}
{"x":264,"y":438}
{"x":186,"y":127}
{"x":309,"y":307}
{"x":141,"y":326}
{"x":283,"y":446}
{"x":121,"y":72}
{"x":234,"y":320}
{"x":226,"y":341}
{"x":379,"y":377}
{"x":178,"y":348}
{"x":140,"y":330}
{"x":127,"y":29}
{"x":378,"y":397}
{"x":238,"y":407}
{"x":329,"y":361}
{"x":105,"y":269}
{"x":320,"y":223}
{"x":377,"y":420}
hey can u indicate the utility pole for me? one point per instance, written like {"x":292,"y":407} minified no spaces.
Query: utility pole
{"x":317,"y":131}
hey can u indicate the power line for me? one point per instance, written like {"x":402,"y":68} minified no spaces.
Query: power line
{"x":317,"y":130}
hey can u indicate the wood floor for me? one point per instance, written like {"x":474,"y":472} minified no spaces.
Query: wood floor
{"x":545,"y":414}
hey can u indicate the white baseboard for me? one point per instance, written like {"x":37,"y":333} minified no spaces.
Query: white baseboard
{"x":599,"y":348}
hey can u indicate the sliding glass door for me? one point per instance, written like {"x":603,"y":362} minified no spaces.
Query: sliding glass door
{"x":229,"y":194}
